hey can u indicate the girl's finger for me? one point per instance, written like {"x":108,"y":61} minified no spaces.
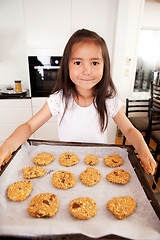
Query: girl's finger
{"x":148,"y":168}
{"x":3,"y":161}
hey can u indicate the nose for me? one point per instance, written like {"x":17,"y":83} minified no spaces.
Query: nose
{"x":86,"y":69}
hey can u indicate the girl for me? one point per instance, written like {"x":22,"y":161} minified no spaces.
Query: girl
{"x":84,"y":98}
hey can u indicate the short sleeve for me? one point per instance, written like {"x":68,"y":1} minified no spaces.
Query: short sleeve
{"x":54,"y":103}
{"x":113,"y":105}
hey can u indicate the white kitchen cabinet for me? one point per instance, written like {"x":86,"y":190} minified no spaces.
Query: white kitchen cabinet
{"x":98,"y":16}
{"x":50,"y":23}
{"x":13,"y":113}
{"x":49,"y":131}
{"x":17,"y":111}
{"x":48,"y":26}
{"x":13,"y":47}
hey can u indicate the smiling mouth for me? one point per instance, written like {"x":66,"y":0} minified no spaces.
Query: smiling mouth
{"x":86,"y":80}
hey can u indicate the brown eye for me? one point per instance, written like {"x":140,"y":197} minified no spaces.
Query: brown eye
{"x":77,"y":63}
{"x":95,"y":63}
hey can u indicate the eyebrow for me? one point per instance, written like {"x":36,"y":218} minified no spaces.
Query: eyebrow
{"x":77,"y":58}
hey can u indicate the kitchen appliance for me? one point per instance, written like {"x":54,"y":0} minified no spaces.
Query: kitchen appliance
{"x":43,"y":72}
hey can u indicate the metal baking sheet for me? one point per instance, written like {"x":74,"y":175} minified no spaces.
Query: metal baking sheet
{"x":135,"y":170}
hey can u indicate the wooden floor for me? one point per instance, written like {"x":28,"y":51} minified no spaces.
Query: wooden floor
{"x":119,"y":140}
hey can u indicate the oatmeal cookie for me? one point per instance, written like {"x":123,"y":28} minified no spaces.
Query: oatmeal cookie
{"x":68,"y":159}
{"x":91,"y":160}
{"x":43,"y":204}
{"x":33,"y":172}
{"x":121,"y":207}
{"x":90,"y":176}
{"x":83,"y":208}
{"x":19,"y":191}
{"x":63,"y":179}
{"x":118,"y":176}
{"x":113,"y":160}
{"x":43,"y":159}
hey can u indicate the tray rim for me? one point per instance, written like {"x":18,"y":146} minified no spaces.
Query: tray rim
{"x":135,"y":164}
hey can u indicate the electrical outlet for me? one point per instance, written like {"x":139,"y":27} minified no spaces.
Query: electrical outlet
{"x":126,"y":72}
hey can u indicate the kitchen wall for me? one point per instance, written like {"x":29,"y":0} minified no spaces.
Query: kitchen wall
{"x":128,"y":24}
{"x":28,"y":27}
{"x":13,"y":44}
{"x":50,"y":23}
{"x":151,"y":15}
{"x":151,"y":21}
{"x":31,"y":27}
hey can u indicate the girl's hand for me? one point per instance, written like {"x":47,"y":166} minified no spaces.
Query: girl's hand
{"x":5,"y":155}
{"x":148,"y":163}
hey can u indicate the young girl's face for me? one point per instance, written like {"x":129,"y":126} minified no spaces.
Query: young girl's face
{"x":86,"y":65}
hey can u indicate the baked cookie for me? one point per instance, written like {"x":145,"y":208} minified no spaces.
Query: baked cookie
{"x":68,"y":159}
{"x":118,"y":176}
{"x":43,"y":204}
{"x":121,"y":207}
{"x":113,"y":160}
{"x":43,"y":159}
{"x":19,"y":191}
{"x":83,"y":208}
{"x":63,"y":179}
{"x":33,"y":172}
{"x":90,"y":176}
{"x":91,"y":160}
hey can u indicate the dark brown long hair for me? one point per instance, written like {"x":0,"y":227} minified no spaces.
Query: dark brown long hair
{"x":103,"y":90}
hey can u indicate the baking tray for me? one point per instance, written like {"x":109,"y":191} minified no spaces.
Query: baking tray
{"x":136,"y":166}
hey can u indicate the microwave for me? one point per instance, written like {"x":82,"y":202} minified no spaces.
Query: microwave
{"x":43,"y":72}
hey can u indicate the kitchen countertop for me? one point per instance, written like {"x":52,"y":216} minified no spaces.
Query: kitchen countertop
{"x":15,"y":96}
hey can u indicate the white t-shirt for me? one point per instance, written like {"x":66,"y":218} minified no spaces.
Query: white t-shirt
{"x":80,"y":124}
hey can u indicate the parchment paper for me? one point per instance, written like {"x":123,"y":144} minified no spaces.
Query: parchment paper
{"x":15,"y":220}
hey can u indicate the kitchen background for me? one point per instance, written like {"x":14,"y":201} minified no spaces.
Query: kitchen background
{"x":42,"y":27}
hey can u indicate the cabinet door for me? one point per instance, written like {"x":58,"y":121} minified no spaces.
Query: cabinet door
{"x":13,"y":113}
{"x":49,"y":131}
{"x":48,"y":25}
{"x":98,"y":16}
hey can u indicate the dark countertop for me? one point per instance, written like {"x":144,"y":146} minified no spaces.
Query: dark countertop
{"x":24,"y":95}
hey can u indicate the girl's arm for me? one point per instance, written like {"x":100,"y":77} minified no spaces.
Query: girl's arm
{"x":23,"y":132}
{"x":135,"y":138}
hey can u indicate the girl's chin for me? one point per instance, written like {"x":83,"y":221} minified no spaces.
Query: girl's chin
{"x":86,"y":89}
